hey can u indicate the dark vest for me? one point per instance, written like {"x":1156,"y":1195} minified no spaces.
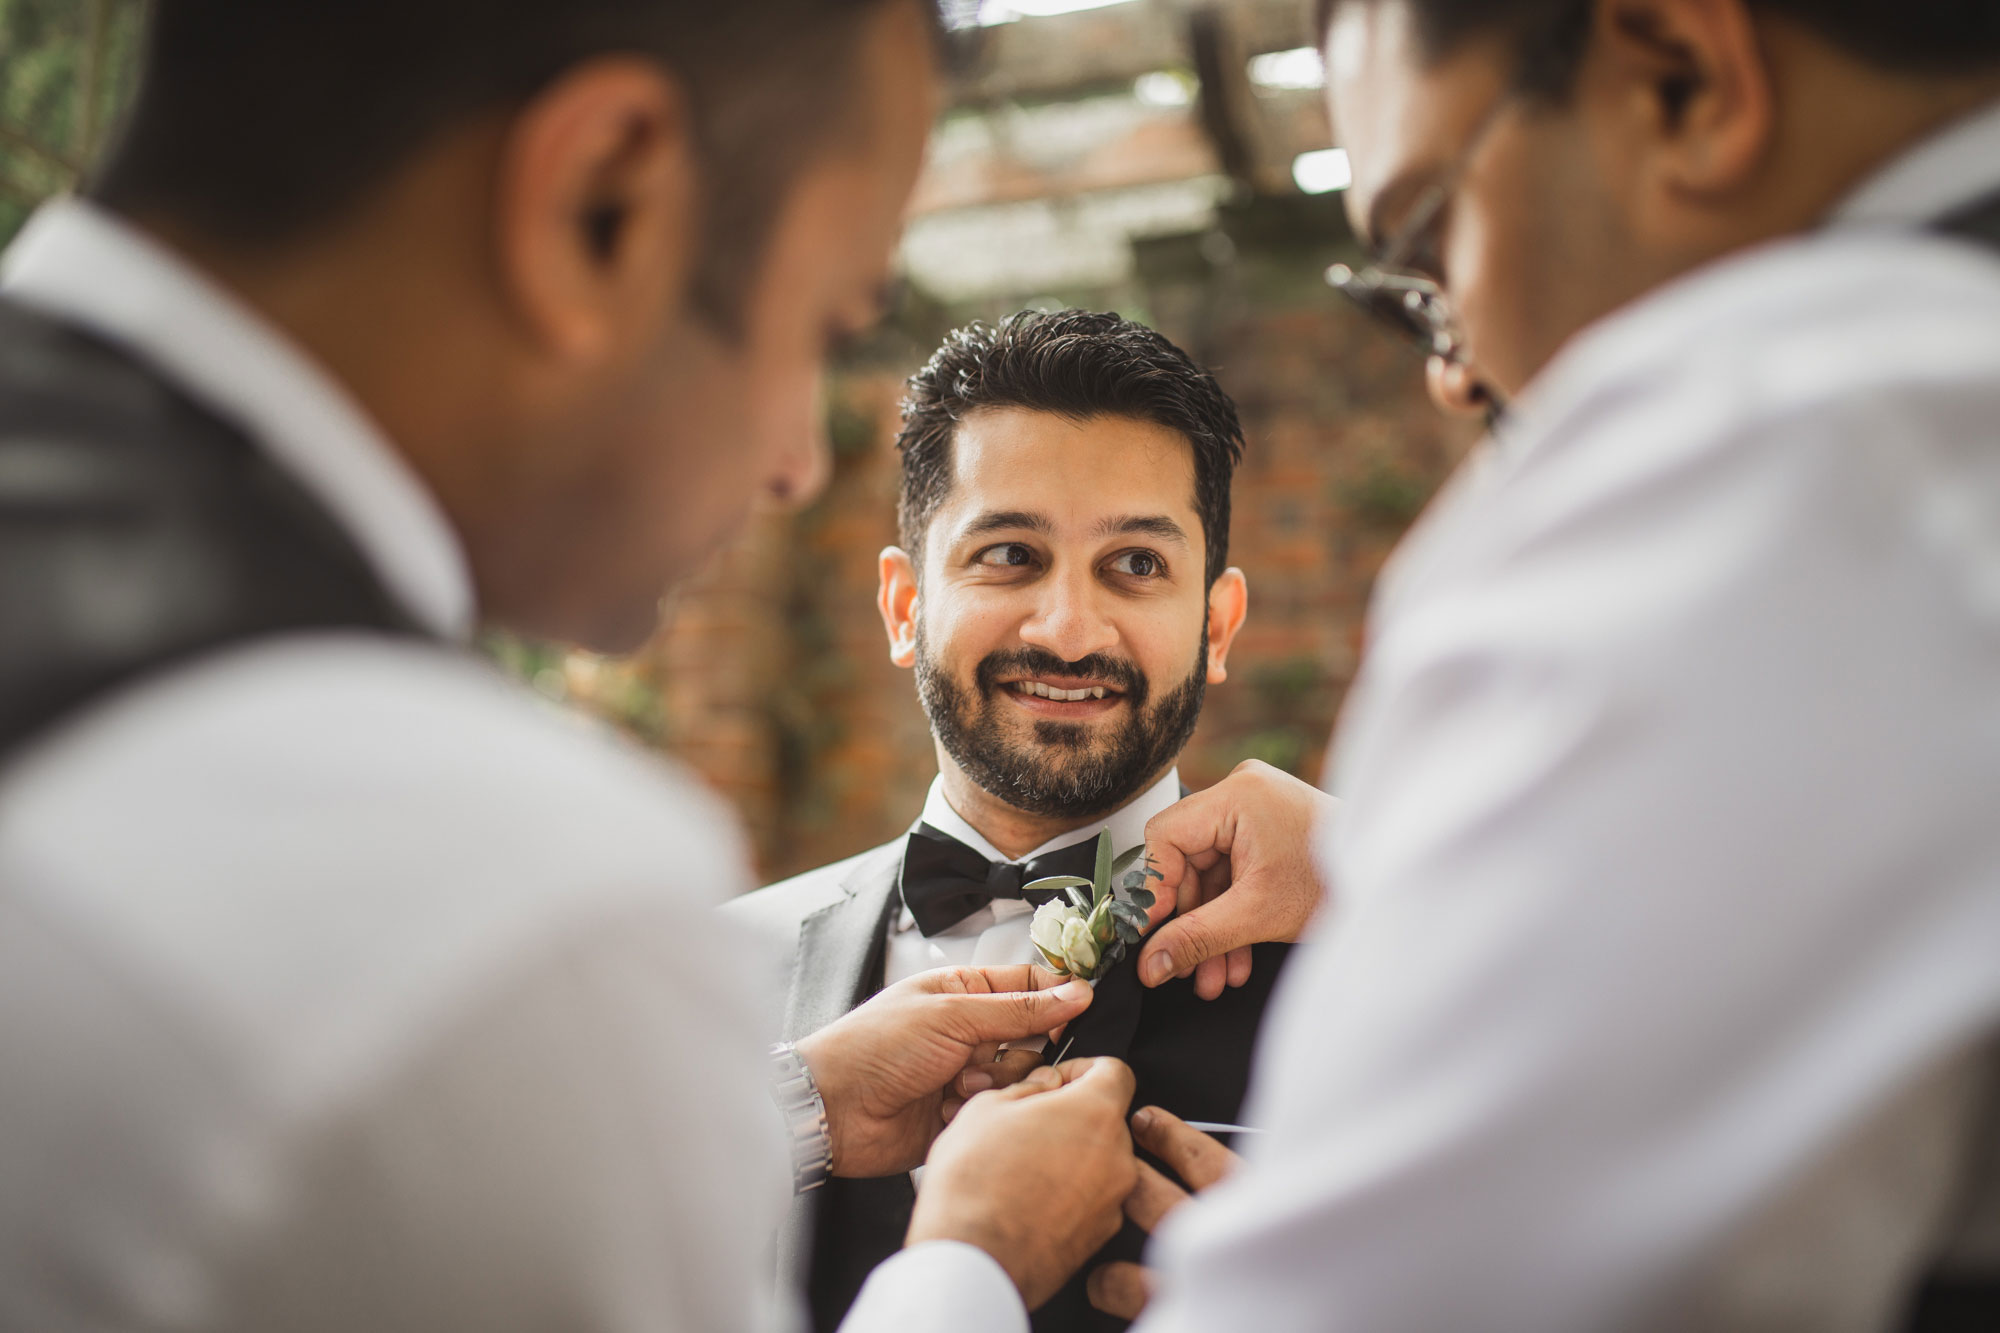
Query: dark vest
{"x":138,"y":530}
{"x":1189,"y":1055}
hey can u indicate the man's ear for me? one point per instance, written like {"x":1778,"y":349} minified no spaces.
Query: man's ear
{"x":1694,"y":79}
{"x":1228,"y":603}
{"x":897,"y":601}
{"x":595,"y":195}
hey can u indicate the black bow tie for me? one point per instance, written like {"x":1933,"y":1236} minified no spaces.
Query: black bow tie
{"x":944,"y":881}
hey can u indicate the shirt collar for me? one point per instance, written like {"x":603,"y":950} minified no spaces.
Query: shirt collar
{"x":1956,"y":166}
{"x":1127,"y":823}
{"x":80,"y":264}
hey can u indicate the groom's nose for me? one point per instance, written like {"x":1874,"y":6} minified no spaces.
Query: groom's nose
{"x":1071,"y":620}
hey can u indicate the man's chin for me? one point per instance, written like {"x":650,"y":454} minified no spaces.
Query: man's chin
{"x":1048,"y":738}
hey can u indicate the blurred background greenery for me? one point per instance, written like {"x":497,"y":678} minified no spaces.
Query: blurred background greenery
{"x":1168,"y":159}
{"x":65,"y":66}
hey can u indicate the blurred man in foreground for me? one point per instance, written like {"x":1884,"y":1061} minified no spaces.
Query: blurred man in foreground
{"x":1064,"y":597}
{"x":1658,"y":987}
{"x":341,"y":986}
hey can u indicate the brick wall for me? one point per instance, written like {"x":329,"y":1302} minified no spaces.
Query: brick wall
{"x":772,"y":668}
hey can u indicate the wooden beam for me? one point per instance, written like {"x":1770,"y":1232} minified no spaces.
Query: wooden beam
{"x":1099,"y":49}
{"x":1165,"y":145}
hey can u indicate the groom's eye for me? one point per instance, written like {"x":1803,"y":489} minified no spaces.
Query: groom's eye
{"x":1139,"y":565}
{"x":1006,"y":554}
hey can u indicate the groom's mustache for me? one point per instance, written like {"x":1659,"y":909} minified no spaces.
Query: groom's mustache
{"x":1013,"y":662}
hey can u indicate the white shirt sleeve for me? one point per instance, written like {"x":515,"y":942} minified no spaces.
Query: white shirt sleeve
{"x":1667,"y":856}
{"x":586,"y":1149}
{"x":941,"y":1286}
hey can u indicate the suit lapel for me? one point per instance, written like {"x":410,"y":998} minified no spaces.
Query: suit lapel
{"x":1108,"y":1026}
{"x":841,"y":947}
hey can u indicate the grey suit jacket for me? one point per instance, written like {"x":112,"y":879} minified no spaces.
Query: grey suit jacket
{"x":834,"y":923}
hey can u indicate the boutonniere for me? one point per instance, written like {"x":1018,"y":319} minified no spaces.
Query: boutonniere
{"x":1086,"y":929}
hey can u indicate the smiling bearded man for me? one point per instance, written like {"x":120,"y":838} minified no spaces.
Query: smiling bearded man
{"x":1063,"y":595}
{"x":1068,"y":768}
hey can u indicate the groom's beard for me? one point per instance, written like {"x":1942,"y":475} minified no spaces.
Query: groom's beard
{"x":1070,"y":770}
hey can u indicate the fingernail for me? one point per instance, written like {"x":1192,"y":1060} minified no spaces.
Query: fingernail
{"x":1158,"y":968}
{"x":1072,"y":990}
{"x":974,"y":1082}
{"x":1142,"y":1119}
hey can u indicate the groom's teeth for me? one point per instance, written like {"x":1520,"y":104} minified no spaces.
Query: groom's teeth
{"x":1041,"y":691}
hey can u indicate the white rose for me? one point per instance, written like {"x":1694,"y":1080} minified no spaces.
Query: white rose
{"x":1062,"y":935}
{"x":1046,"y":932}
{"x":1079,"y":946}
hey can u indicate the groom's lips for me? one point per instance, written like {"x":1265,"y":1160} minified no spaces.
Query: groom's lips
{"x":1055,"y":697}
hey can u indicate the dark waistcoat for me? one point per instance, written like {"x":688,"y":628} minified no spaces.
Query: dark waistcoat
{"x":1191,"y":1056}
{"x":139,"y":530}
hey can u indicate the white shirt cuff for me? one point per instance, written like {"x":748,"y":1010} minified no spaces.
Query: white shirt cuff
{"x":942,"y":1285}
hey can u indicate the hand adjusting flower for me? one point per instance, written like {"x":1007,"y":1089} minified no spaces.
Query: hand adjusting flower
{"x":1087,"y":929}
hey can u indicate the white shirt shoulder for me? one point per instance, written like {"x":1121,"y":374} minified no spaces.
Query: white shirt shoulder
{"x":369,"y":941}
{"x":1667,"y":859}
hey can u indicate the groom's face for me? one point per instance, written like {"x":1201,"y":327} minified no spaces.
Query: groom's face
{"x":1061,"y":611}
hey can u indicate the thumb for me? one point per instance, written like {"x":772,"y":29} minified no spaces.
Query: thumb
{"x":1227,"y":922}
{"x":1012,"y":1015}
{"x":1101,"y":1076}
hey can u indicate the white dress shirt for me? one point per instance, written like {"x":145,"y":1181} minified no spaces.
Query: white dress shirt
{"x":997,"y":935}
{"x":1668,"y":858}
{"x":1669,"y":854}
{"x":345,"y":984}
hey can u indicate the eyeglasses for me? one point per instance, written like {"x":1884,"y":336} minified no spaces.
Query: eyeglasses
{"x":1394,"y":292}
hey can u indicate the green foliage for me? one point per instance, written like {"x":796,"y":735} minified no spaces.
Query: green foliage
{"x":1281,"y":747}
{"x":65,"y":68}
{"x":1112,"y":905}
{"x":850,"y":430}
{"x":1386,"y":495}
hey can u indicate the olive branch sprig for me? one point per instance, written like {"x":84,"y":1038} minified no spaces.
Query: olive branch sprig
{"x":1088,"y":928}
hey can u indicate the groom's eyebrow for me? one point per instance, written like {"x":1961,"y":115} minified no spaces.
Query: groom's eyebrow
{"x":1144,"y":525}
{"x":1009,"y":520}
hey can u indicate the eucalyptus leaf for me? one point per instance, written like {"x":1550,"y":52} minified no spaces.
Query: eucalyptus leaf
{"x":1127,"y":932}
{"x":1142,"y":897}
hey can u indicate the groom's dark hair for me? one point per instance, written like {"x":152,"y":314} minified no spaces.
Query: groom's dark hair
{"x":1076,"y":364}
{"x":257,"y":121}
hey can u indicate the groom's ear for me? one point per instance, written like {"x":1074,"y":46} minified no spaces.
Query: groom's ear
{"x":897,"y":601}
{"x":1228,"y":603}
